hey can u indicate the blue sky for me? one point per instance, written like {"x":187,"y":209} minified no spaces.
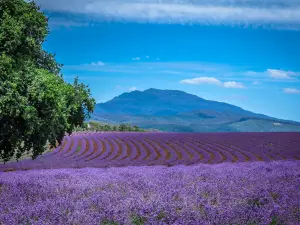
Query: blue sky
{"x":246,"y":53}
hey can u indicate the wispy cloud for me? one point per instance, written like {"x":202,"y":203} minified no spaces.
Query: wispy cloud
{"x":187,"y":70}
{"x":291,"y":91}
{"x":202,"y":80}
{"x":233,"y":84}
{"x":283,"y":13}
{"x":279,"y":74}
{"x":213,"y":81}
{"x":132,"y":89}
{"x":136,"y":59}
{"x":93,"y":66}
{"x":97,"y":63}
{"x":273,"y":75}
{"x":118,"y":86}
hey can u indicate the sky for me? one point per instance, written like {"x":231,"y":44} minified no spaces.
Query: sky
{"x":243,"y":52}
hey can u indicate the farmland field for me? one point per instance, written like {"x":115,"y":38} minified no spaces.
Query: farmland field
{"x":257,"y":193}
{"x":157,"y":178}
{"x":145,"y":149}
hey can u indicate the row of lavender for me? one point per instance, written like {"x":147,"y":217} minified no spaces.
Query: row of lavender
{"x":123,"y":149}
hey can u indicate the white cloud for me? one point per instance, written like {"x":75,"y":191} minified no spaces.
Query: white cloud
{"x":212,"y":80}
{"x":93,"y":66}
{"x":202,"y":80}
{"x":233,"y":84}
{"x":186,"y":70}
{"x":273,"y":75}
{"x":280,"y":74}
{"x":291,"y":91}
{"x":284,"y":13}
{"x":132,"y":89}
{"x":97,"y":63}
{"x":136,"y":59}
{"x":118,"y":86}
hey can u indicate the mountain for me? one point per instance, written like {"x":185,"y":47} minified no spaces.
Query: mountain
{"x":172,"y":110}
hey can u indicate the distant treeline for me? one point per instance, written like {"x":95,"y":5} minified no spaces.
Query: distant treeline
{"x":98,"y":126}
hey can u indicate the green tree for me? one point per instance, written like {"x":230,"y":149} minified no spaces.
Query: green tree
{"x":122,"y":127}
{"x":36,"y":105}
{"x":107,"y":127}
{"x":128,"y":127}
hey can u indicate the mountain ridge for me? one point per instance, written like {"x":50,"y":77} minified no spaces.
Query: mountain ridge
{"x":174,"y":110}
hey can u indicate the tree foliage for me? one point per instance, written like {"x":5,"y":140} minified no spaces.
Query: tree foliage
{"x":97,"y":126}
{"x":36,"y":105}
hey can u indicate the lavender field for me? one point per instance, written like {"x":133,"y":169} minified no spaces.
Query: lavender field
{"x":149,"y":112}
{"x":145,"y":149}
{"x":157,"y":178}
{"x":240,"y":194}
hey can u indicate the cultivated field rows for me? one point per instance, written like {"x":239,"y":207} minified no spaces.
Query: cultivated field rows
{"x":138,"y":149}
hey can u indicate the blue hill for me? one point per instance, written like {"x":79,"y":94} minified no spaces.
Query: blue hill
{"x":172,"y":110}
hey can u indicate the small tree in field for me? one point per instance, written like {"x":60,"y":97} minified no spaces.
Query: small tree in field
{"x":36,"y":105}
